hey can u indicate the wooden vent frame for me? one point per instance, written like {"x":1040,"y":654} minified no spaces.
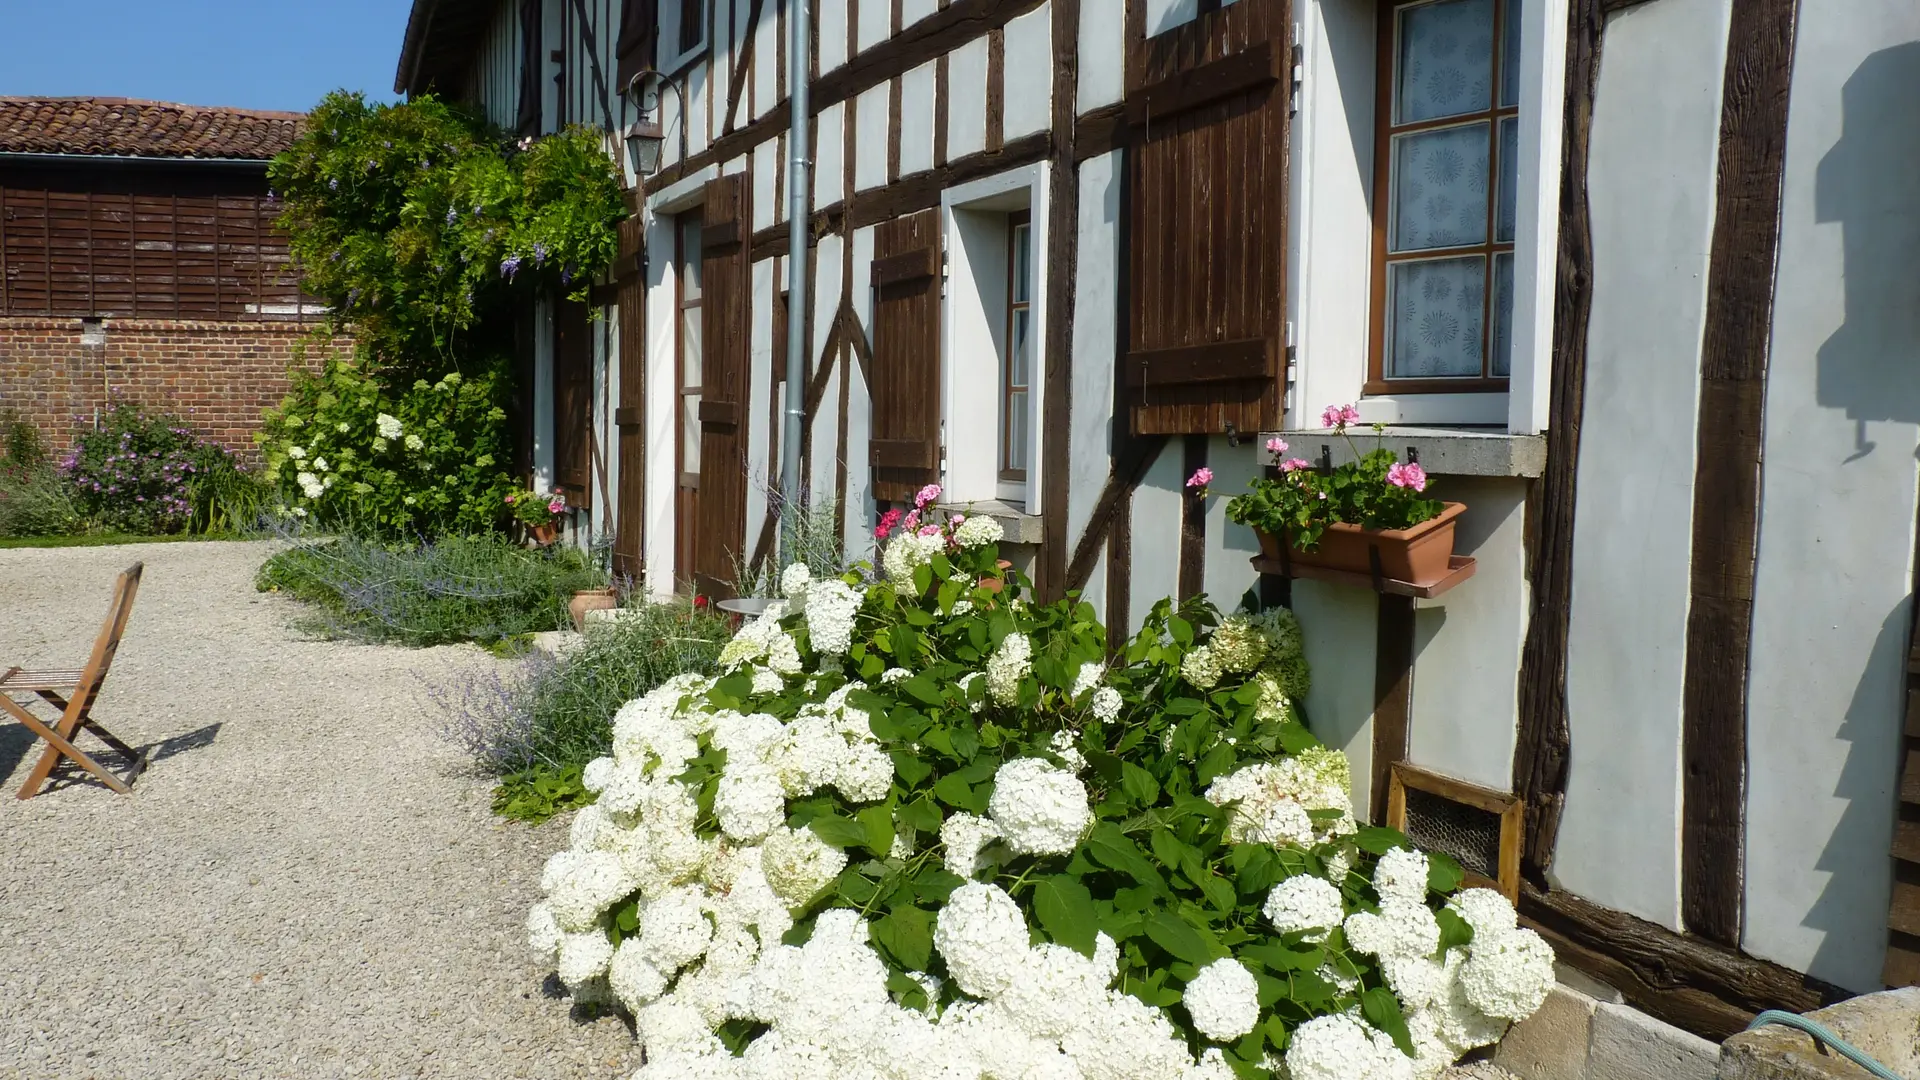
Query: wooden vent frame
{"x":1508,"y":808}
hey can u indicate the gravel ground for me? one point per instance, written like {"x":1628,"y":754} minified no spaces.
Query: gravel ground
{"x":303,"y":884}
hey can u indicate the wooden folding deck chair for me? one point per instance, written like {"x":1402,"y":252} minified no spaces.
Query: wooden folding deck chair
{"x":73,"y":693}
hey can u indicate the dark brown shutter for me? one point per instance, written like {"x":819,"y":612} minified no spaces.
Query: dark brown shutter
{"x":572,"y":400}
{"x":905,"y":445}
{"x":630,"y":415}
{"x":1207,"y":249}
{"x":639,"y":30}
{"x":725,"y":312}
{"x":532,"y":67}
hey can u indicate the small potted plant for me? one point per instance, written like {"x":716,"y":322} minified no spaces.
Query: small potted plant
{"x":1336,"y":518}
{"x":539,"y":512}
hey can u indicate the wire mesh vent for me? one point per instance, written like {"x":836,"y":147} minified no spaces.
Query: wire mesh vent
{"x":1468,"y":833}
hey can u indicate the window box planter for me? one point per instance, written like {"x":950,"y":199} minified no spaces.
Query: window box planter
{"x":1421,"y":555}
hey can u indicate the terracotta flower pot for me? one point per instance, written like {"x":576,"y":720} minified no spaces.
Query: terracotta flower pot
{"x":590,"y":600}
{"x":1419,"y":555}
{"x":545,"y":535}
{"x":993,"y":583}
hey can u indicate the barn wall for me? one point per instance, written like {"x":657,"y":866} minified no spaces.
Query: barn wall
{"x":1837,"y":505}
{"x":1651,"y":182}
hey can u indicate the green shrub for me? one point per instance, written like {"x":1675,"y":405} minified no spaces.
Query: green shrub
{"x":478,"y":588}
{"x":35,"y":500}
{"x":146,"y":473}
{"x":428,"y":461}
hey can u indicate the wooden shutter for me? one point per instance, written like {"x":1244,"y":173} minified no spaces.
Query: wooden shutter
{"x":905,"y":445}
{"x":639,"y":30}
{"x":572,"y":399}
{"x":532,"y":66}
{"x":725,"y":312}
{"x":1207,"y":248}
{"x":630,"y":415}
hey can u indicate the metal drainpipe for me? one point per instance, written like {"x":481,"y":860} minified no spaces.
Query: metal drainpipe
{"x":798,"y":198}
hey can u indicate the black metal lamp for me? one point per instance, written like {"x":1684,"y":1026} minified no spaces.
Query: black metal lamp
{"x":647,"y":135}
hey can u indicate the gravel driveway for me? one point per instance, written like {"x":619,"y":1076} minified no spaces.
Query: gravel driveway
{"x":303,"y":884}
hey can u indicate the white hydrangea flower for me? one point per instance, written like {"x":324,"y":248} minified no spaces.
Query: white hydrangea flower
{"x":1200,"y":667}
{"x":767,"y":681}
{"x":906,"y":553}
{"x":1041,"y":809}
{"x":1304,"y":903}
{"x":1087,"y":678}
{"x":414,"y":442}
{"x":1338,"y":866}
{"x":297,"y":453}
{"x":783,"y":655}
{"x":1238,"y":644}
{"x":1274,"y":797}
{"x":675,"y":929}
{"x":831,"y":607}
{"x":960,"y":608}
{"x":634,"y":979}
{"x":1106,"y":704}
{"x":963,"y":835}
{"x":387,"y":426}
{"x":310,"y":485}
{"x":1401,"y":874}
{"x":965,"y":686}
{"x":1423,"y":982}
{"x":595,"y":775}
{"x":894,"y":675}
{"x":1213,"y":1066}
{"x":1341,"y":1047}
{"x":1050,"y":997}
{"x":1062,"y":743}
{"x":320,"y":463}
{"x":1507,"y":975}
{"x":799,"y":864}
{"x":794,"y":579}
{"x":983,"y":938}
{"x":749,"y":802}
{"x":865,"y":773}
{"x":1485,"y":910}
{"x":1403,"y":928}
{"x":583,"y":957}
{"x":977,"y":530}
{"x":543,"y":934}
{"x":593,"y":883}
{"x":745,"y":736}
{"x":1223,"y":1000}
{"x":1007,"y":666}
{"x":1124,"y":1038}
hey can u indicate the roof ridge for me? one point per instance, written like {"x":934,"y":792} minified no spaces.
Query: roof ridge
{"x":95,"y":99}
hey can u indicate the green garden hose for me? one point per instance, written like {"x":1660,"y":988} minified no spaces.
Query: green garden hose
{"x":1820,"y":1032}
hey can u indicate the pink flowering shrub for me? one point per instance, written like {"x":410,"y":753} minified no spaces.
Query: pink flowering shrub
{"x":1374,"y":491}
{"x":144,"y":473}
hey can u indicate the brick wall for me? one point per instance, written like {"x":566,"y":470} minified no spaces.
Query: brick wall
{"x":217,"y":376}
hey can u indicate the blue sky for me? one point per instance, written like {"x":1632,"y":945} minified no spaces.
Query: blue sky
{"x":258,"y":54}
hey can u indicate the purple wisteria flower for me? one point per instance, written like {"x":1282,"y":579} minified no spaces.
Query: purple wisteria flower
{"x":510,"y":266}
{"x":539,"y":253}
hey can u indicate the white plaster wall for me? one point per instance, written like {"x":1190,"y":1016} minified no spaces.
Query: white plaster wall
{"x":1164,"y":15}
{"x":699,"y":107}
{"x":661,"y":482}
{"x":543,"y":394}
{"x":763,"y":353}
{"x":766,"y":86}
{"x":860,"y":292}
{"x":967,"y":99}
{"x":1339,"y":626}
{"x":719,"y":65}
{"x":1837,"y":506}
{"x":1029,"y":73}
{"x":1096,"y":317}
{"x":829,"y":167}
{"x":1228,"y":574}
{"x":1155,"y":535}
{"x":1333,"y":171}
{"x":912,"y":11}
{"x":876,"y":21}
{"x":974,"y":331}
{"x":823,"y":470}
{"x":1095,"y":594}
{"x":766,"y":170}
{"x":1103,"y":39}
{"x":1651,"y":193}
{"x":916,"y":119}
{"x":856,"y":515}
{"x":871,"y":113}
{"x":832,"y":17}
{"x":1462,"y":720}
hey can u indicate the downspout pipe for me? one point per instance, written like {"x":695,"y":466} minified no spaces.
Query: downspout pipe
{"x":799,"y":198}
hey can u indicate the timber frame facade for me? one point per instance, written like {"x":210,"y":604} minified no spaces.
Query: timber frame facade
{"x":1590,"y":275}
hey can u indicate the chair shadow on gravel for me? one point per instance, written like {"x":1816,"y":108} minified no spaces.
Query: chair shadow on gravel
{"x":67,"y":774}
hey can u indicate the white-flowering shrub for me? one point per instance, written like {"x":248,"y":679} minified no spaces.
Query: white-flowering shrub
{"x":926,"y":829}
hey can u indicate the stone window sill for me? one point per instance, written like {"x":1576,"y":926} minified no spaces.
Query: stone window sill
{"x":1020,"y":526}
{"x":1443,"y":451}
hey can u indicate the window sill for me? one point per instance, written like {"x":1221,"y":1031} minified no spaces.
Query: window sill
{"x":1443,"y":451}
{"x":1020,"y":526}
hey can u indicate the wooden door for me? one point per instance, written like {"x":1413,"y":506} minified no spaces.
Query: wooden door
{"x":1207,"y":216}
{"x":630,"y":415}
{"x":573,"y":402}
{"x":905,"y":448}
{"x":726,"y":308}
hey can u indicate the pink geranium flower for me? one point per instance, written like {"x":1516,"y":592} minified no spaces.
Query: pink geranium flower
{"x":1408,"y":475}
{"x":1201,"y":477}
{"x":926,"y":496}
{"x":1276,"y":446}
{"x":1295,"y":464}
{"x":556,"y":506}
{"x":1338,"y":417}
{"x":912,"y":521}
{"x":929,"y":530}
{"x":888,"y":522}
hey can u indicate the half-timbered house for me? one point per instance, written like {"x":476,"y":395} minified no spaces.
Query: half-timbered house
{"x":1631,"y":278}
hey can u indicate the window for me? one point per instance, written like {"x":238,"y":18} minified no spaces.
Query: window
{"x":688,"y":419}
{"x":1444,"y":205}
{"x":693,"y":24}
{"x":1017,"y":367}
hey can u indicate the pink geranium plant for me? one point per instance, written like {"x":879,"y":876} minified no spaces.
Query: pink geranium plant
{"x":1374,"y":491}
{"x":536,"y":508}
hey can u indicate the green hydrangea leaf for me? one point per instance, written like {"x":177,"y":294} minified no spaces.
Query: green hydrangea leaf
{"x":1065,"y":908}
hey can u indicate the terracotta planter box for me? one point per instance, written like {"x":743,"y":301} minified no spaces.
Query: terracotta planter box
{"x":590,"y":600}
{"x":1418,"y":555}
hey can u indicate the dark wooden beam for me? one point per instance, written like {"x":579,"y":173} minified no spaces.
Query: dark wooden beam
{"x":1392,"y":694}
{"x":1060,"y":268}
{"x":1708,"y":989}
{"x":1726,"y":483}
{"x":1193,"y":521}
{"x":1541,"y":753}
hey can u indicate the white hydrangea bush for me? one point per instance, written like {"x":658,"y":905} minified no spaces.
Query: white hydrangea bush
{"x":922,"y":828}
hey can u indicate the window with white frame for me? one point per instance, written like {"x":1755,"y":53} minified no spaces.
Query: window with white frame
{"x":1016,"y":365}
{"x":1446,"y":142}
{"x":683,"y":32}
